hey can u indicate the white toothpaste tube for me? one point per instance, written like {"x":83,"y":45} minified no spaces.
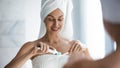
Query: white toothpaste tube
{"x":53,"y":51}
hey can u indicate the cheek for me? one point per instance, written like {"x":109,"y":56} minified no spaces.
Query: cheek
{"x":48,"y":24}
{"x":62,"y":24}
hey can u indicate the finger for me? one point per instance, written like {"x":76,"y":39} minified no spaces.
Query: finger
{"x":41,"y":46}
{"x":35,"y":50}
{"x":80,"y":49}
{"x":77,"y":47}
{"x":72,"y":48}
{"x":52,"y":48}
{"x":45,"y":48}
{"x":85,"y":51}
{"x":38,"y":48}
{"x":39,"y":51}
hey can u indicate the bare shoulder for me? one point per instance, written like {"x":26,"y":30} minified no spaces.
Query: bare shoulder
{"x":67,"y":40}
{"x":31,"y":44}
{"x":26,"y":47}
{"x":75,"y":41}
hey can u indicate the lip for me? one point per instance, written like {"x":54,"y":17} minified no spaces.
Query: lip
{"x":55,"y":29}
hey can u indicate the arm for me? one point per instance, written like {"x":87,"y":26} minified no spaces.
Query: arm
{"x":28,"y":51}
{"x":22,"y":56}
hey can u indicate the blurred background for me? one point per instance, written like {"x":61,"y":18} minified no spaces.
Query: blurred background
{"x":20,"y":22}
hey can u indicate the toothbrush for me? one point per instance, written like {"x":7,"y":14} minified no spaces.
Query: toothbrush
{"x":54,"y":52}
{"x":51,"y":50}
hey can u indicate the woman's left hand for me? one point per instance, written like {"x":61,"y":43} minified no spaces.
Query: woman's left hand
{"x":77,"y":48}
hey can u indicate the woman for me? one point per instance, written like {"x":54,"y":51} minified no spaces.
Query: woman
{"x":111,"y":19}
{"x":53,"y":15}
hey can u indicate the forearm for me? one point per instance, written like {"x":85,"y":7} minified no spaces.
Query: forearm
{"x":18,"y":63}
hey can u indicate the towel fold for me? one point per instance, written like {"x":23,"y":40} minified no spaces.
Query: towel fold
{"x":47,"y":6}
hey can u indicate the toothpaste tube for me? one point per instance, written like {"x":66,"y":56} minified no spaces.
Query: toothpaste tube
{"x":53,"y":51}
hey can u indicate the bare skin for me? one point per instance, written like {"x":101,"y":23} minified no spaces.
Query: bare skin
{"x":110,"y":61}
{"x":52,"y":38}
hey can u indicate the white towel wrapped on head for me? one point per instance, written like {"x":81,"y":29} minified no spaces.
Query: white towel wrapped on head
{"x":47,"y":6}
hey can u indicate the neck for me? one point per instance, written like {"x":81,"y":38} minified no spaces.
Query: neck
{"x":52,"y":38}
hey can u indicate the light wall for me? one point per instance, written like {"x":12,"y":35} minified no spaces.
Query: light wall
{"x":19,"y":22}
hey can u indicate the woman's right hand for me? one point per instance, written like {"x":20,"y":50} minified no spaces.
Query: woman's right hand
{"x":39,"y":48}
{"x":33,"y":49}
